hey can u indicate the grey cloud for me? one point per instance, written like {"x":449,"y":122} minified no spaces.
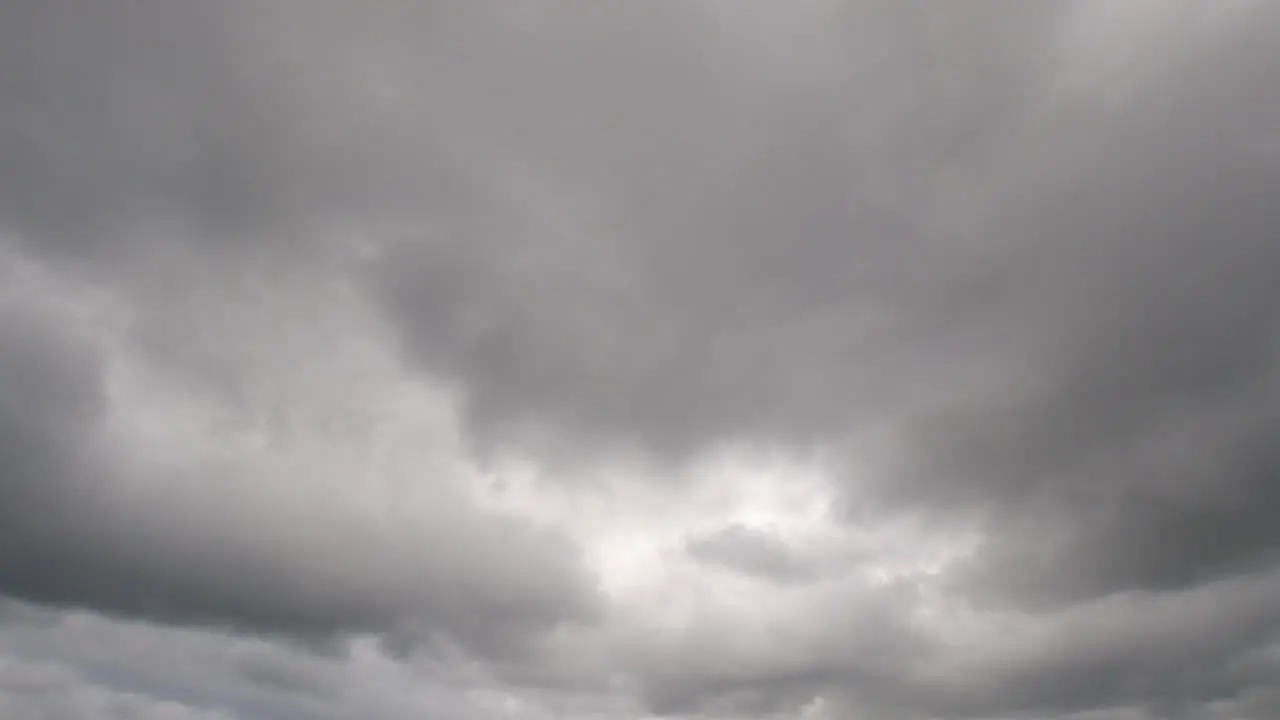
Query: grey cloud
{"x":1127,"y":446}
{"x":845,"y":637}
{"x":1044,"y":308}
{"x":1172,"y":653}
{"x":1035,"y":291}
{"x":694,"y":251}
{"x":1185,"y":654}
{"x":228,"y":548}
{"x":128,"y":126}
{"x":241,"y":130}
{"x":52,"y":692}
{"x":754,"y":552}
{"x":218,"y":674}
{"x":49,"y":400}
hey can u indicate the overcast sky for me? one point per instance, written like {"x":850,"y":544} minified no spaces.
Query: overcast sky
{"x":584,"y":360}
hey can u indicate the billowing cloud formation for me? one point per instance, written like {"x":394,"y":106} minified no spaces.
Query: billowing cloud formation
{"x":237,"y":540}
{"x":696,"y":252}
{"x":827,"y":359}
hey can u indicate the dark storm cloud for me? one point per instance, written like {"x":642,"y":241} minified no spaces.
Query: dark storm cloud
{"x":1053,"y":296}
{"x":1102,"y":392}
{"x":697,"y":250}
{"x":227,"y":550}
{"x":176,"y":149}
{"x":1018,"y":292}
{"x":1133,"y":317}
{"x":49,"y":400}
{"x":1075,"y":337}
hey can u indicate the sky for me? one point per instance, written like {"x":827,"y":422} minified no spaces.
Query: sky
{"x":690,"y":359}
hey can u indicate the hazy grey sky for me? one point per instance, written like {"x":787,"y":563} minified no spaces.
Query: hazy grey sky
{"x":867,"y":360}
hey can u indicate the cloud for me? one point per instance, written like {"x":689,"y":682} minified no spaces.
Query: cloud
{"x":753,"y":552}
{"x":54,"y":693}
{"x":862,"y":358}
{"x":235,"y":540}
{"x":1171,"y":652}
{"x":236,"y":676}
{"x":1125,"y":443}
{"x":712,"y":251}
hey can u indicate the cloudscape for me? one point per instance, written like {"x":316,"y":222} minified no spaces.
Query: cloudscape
{"x":694,"y":359}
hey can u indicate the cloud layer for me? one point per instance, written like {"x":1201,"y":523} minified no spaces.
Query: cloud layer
{"x":841,"y":359}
